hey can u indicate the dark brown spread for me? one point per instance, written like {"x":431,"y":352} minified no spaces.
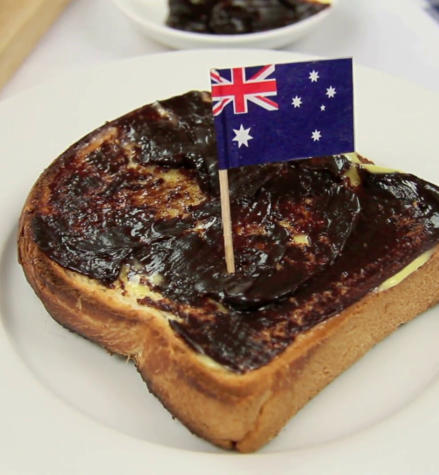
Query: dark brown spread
{"x":230,"y":17}
{"x":142,"y":192}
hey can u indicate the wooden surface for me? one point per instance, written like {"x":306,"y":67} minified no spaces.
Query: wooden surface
{"x":22,"y":23}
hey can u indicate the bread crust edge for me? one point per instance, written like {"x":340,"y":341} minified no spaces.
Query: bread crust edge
{"x":234,"y":411}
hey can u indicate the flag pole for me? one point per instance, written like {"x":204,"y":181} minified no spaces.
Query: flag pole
{"x":227,"y":221}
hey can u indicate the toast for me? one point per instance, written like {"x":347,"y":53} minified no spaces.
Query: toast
{"x":121,"y":240}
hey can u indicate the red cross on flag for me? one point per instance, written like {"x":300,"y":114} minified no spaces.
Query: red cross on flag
{"x":239,"y":90}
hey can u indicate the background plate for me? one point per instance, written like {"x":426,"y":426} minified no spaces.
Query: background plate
{"x":150,"y":17}
{"x":66,"y":406}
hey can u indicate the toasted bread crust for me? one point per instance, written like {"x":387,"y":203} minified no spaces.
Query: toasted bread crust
{"x":241,"y":411}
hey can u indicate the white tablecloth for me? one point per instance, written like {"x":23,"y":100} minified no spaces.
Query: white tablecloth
{"x":396,"y":36}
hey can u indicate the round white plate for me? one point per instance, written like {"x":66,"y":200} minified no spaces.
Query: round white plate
{"x":66,"y":406}
{"x":150,"y":17}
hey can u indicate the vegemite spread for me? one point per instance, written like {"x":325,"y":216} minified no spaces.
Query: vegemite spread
{"x":138,"y":201}
{"x":230,"y":17}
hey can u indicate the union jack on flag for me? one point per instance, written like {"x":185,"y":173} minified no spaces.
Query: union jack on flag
{"x":239,"y":90}
{"x":280,"y":112}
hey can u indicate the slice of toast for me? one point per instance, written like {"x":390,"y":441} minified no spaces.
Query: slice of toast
{"x":121,"y":240}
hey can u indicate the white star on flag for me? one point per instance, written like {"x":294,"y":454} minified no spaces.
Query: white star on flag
{"x":331,"y":92}
{"x":297,"y":101}
{"x":242,"y":136}
{"x":316,"y":135}
{"x":323,"y":107}
{"x":314,"y":76}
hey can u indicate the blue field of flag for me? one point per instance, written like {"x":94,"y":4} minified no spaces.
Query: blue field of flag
{"x":281,"y":112}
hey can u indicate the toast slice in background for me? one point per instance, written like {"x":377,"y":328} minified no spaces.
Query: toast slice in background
{"x":121,"y":240}
{"x":227,"y":17}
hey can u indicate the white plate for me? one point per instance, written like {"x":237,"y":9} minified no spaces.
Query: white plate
{"x":150,"y":17}
{"x":66,"y":406}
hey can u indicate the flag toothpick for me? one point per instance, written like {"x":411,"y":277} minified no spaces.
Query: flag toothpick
{"x":279,"y":112}
{"x":227,"y":221}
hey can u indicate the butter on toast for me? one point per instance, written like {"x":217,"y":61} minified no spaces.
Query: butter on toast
{"x":121,"y":239}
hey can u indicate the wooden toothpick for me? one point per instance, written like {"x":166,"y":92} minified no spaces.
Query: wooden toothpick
{"x":227,"y":221}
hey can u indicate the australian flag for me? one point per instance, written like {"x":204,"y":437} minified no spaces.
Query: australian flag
{"x":281,"y":112}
